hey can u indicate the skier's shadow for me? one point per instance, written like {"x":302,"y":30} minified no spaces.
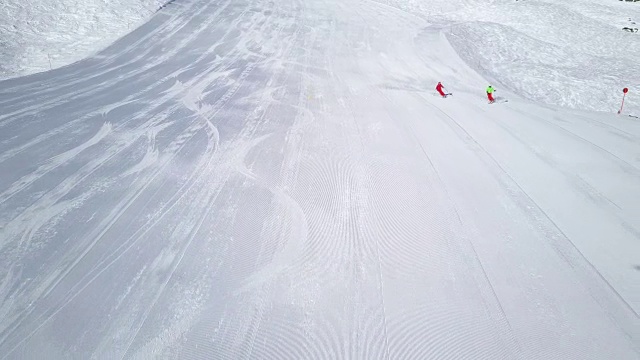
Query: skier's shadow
{"x":499,"y":99}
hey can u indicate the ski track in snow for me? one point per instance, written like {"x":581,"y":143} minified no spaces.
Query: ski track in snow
{"x":262,"y":179}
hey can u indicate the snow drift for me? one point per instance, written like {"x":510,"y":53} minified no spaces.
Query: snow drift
{"x":39,"y":35}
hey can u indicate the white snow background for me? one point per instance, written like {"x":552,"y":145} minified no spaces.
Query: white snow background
{"x":278,"y":179}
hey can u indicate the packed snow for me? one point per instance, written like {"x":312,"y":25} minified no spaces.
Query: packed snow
{"x":38,"y":35}
{"x":279,"y":179}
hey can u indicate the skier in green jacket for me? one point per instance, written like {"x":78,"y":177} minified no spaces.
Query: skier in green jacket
{"x":490,"y":91}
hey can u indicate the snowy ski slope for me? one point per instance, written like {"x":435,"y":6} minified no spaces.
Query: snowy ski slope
{"x":277,"y":179}
{"x":562,"y":52}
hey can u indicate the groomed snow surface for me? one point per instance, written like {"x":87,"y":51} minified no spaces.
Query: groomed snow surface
{"x":278,"y":179}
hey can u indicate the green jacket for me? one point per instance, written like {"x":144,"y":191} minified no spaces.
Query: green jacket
{"x":490,"y":90}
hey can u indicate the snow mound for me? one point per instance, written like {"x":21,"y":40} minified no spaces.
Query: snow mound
{"x":38,"y":35}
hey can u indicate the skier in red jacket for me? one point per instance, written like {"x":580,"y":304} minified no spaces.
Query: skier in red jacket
{"x":440,"y":88}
